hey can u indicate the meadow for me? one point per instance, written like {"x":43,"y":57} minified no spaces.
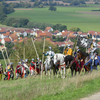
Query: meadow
{"x":43,"y":88}
{"x":37,"y":88}
{"x":81,"y":17}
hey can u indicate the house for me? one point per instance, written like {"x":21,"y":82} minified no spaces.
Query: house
{"x":15,"y":40}
{"x":35,"y":29}
{"x":49,"y":29}
{"x":28,"y":31}
{"x":4,"y":40}
{"x":83,"y":35}
{"x":2,"y":30}
{"x":60,"y":44}
{"x":33,"y":33}
{"x":13,"y":36}
{"x":64,"y":34}
{"x":98,"y":33}
{"x":12,"y":30}
{"x":42,"y":35}
{"x":55,"y":32}
{"x":96,"y":37}
{"x":3,"y":36}
{"x":91,"y":33}
{"x":49,"y":34}
{"x":71,"y":34}
{"x":24,"y":33}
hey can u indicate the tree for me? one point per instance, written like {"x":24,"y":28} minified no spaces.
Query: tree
{"x":52,"y":8}
{"x":96,"y":3}
{"x":74,"y":3}
{"x":75,"y":29}
{"x":59,"y":27}
{"x":23,"y":22}
{"x":2,"y":16}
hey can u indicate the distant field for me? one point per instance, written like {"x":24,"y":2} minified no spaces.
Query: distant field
{"x":81,"y":17}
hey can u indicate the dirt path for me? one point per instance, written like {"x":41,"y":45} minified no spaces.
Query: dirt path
{"x":95,"y":96}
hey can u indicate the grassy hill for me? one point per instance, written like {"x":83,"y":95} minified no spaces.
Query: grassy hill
{"x":43,"y":88}
{"x":35,"y":88}
{"x":81,"y":17}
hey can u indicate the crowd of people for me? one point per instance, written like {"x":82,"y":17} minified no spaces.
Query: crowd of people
{"x":23,"y":69}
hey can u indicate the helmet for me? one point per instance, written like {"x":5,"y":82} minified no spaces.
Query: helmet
{"x":26,"y":60}
{"x":50,"y":48}
{"x":69,"y":45}
{"x":37,"y":58}
{"x":40,"y":60}
{"x":32,"y":59}
{"x":23,"y":60}
{"x":77,"y":47}
{"x":19,"y":63}
{"x":11,"y":63}
{"x":94,"y":44}
{"x":0,"y":64}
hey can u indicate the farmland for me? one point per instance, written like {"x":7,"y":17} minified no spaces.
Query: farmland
{"x":81,"y":17}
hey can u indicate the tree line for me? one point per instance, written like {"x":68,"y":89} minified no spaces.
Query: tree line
{"x":4,"y":10}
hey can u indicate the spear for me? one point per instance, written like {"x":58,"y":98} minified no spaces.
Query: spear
{"x":43,"y":56}
{"x":7,"y":55}
{"x":35,"y":48}
{"x":66,"y":41}
{"x":4,"y":57}
{"x":75,"y":44}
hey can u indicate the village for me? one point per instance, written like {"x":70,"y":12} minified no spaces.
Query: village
{"x":14,"y":35}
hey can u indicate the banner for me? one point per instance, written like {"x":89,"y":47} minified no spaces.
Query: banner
{"x":84,"y":42}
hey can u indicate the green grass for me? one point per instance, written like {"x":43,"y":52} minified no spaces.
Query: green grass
{"x":35,"y":88}
{"x":64,"y":15}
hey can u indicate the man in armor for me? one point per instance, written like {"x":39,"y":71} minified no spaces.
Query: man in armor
{"x":12,"y":70}
{"x":38,"y":66}
{"x":1,"y":71}
{"x":18,"y":70}
{"x":49,"y":53}
{"x":32,"y":67}
{"x":68,"y":50}
{"x":77,"y":50}
{"x":93,"y":52}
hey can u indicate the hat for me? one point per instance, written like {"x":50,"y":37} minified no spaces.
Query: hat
{"x":0,"y":64}
{"x":40,"y":60}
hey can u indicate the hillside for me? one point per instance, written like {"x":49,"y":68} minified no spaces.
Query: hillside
{"x":35,"y":88}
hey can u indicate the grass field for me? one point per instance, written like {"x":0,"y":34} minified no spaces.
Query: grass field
{"x":35,"y":88}
{"x":81,"y":17}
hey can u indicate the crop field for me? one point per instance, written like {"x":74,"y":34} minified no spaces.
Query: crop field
{"x":81,"y":17}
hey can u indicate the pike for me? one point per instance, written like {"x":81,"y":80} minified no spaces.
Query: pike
{"x":35,"y":48}
{"x":66,"y":41}
{"x":43,"y":57}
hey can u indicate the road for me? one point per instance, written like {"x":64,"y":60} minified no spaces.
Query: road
{"x":95,"y":96}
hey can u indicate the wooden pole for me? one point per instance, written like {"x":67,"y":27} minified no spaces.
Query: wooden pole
{"x":7,"y":55}
{"x":4,"y":57}
{"x":35,"y":48}
{"x":75,"y":44}
{"x":43,"y":57}
{"x":66,"y":43}
{"x":24,"y":54}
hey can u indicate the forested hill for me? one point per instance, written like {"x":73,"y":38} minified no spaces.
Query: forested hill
{"x":67,"y":1}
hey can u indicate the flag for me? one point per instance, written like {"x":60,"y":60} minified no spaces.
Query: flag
{"x":84,"y":42}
